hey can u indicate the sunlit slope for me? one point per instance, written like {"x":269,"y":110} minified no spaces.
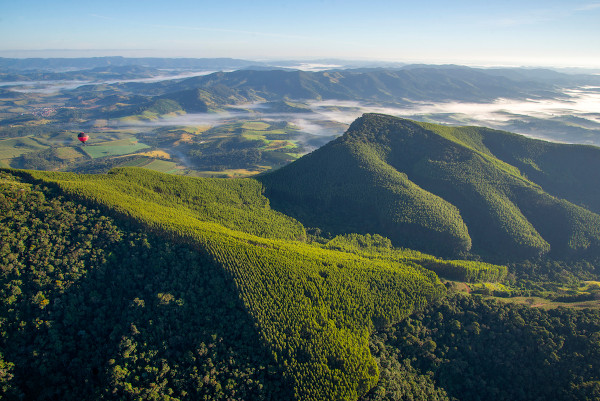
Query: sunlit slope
{"x":94,"y":308}
{"x":313,"y":307}
{"x":414,"y":181}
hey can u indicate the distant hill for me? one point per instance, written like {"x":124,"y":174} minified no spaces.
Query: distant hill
{"x":448,"y":190}
{"x":376,"y":85}
{"x":98,"y":73}
{"x":426,"y":83}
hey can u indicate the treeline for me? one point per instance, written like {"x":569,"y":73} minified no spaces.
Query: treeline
{"x":47,"y":159}
{"x":25,"y":130}
{"x":468,"y":348}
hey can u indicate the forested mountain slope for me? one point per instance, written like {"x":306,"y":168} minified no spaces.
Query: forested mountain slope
{"x":447,"y":190}
{"x":469,"y":349}
{"x":137,"y":284}
{"x":92,"y":308}
{"x":375,"y":84}
{"x":312,"y":308}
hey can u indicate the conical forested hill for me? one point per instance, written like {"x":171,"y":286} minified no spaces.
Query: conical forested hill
{"x":448,"y":190}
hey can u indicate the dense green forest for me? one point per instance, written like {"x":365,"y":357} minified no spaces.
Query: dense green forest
{"x":467,"y":348}
{"x":445,"y":191}
{"x":307,"y":309}
{"x":142,"y":285}
{"x":96,"y":310}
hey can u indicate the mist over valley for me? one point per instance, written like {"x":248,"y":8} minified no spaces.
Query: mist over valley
{"x":243,"y":122}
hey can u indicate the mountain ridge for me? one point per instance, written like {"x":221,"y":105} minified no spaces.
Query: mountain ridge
{"x":388,"y":85}
{"x":454,"y":168}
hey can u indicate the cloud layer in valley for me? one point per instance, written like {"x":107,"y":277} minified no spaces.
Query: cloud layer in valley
{"x":545,"y":119}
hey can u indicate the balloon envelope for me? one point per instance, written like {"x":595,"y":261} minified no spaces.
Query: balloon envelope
{"x":83,"y":137}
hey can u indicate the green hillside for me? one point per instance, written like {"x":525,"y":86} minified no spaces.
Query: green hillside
{"x":313,"y":307}
{"x":469,"y":349}
{"x":142,"y":285}
{"x":443,"y":190}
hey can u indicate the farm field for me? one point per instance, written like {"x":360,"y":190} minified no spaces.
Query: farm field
{"x":163,"y":166}
{"x":548,"y":301}
{"x":114,"y":148}
{"x":542,"y":303}
{"x":15,"y":147}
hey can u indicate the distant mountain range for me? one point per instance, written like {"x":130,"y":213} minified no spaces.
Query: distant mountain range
{"x":381,"y":85}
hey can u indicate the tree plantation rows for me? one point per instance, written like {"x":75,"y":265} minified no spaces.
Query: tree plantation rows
{"x":378,"y":247}
{"x":142,"y":285}
{"x":313,"y":307}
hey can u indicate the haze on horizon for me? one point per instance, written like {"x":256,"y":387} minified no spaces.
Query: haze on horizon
{"x":516,"y":33}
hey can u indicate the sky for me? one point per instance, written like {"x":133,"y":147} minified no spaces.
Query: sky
{"x":513,"y":33}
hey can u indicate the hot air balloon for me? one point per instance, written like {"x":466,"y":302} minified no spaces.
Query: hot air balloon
{"x":83,"y":137}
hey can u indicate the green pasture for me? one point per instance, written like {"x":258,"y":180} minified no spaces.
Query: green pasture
{"x":542,"y":303}
{"x":279,"y":144}
{"x":114,"y":148}
{"x":256,"y":125}
{"x":254,"y":136}
{"x":15,"y":147}
{"x":163,"y":166}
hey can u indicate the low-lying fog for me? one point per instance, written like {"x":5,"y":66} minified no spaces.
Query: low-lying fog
{"x":572,"y":119}
{"x":62,"y":85}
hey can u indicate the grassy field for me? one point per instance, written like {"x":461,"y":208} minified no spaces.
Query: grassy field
{"x":114,"y":148}
{"x":163,"y":166}
{"x":276,"y":145}
{"x":229,"y":173}
{"x":160,"y":154}
{"x":479,"y":289}
{"x":256,"y":125}
{"x":15,"y":147}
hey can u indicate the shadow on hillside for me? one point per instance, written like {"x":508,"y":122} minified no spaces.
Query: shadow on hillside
{"x":157,"y":318}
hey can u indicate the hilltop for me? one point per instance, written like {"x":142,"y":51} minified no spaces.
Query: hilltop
{"x":448,"y":190}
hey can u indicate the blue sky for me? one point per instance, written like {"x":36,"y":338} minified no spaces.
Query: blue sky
{"x":558,"y":33}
